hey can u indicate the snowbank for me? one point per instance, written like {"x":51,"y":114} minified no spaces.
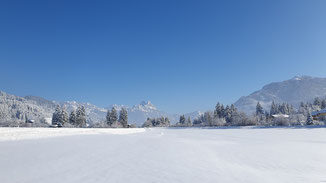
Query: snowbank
{"x":270,"y":155}
{"x":37,"y":133}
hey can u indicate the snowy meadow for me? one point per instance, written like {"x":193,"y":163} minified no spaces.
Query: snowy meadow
{"x":42,"y":155}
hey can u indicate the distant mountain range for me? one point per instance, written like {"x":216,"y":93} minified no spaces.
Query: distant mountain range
{"x":33,"y":107}
{"x":292,"y":91}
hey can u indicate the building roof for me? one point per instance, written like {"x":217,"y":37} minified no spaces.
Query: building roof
{"x":315,"y":113}
{"x":280,"y":116}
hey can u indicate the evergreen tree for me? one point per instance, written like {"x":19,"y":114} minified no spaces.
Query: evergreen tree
{"x":218,"y":112}
{"x":162,"y":121}
{"x":273,"y":109}
{"x":323,"y":104}
{"x":291,"y":109}
{"x":310,"y":120}
{"x":267,"y":116}
{"x":81,"y":117}
{"x":112,"y":116}
{"x":208,"y":119}
{"x":108,"y":122}
{"x":259,"y":109}
{"x":233,"y":109}
{"x":283,"y":108}
{"x":222,"y":113}
{"x":302,"y":104}
{"x":182,"y":119}
{"x":189,"y":121}
{"x":227,"y":114}
{"x":56,"y":115}
{"x":64,"y":118}
{"x":73,"y":117}
{"x":123,"y":117}
{"x":148,"y":123}
{"x":166,"y":121}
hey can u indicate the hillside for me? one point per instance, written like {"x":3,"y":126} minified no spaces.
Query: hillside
{"x":292,"y":91}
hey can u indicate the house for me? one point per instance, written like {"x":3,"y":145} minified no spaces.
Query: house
{"x":30,"y":121}
{"x":318,"y":114}
{"x":280,"y":116}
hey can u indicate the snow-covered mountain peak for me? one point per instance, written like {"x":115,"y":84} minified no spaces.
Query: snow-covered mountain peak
{"x":145,"y":106}
{"x":117,"y":107}
{"x":292,"y":91}
{"x":146,"y":103}
{"x":299,"y":78}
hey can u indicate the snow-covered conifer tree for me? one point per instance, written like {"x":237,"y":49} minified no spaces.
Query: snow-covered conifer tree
{"x":218,"y":112}
{"x":123,"y":117}
{"x":64,"y":118}
{"x":310,"y":120}
{"x":208,"y":118}
{"x":81,"y":117}
{"x":323,"y":104}
{"x":259,"y":109}
{"x":189,"y":121}
{"x":108,"y":122}
{"x":113,"y":116}
{"x":167,"y":121}
{"x":72,"y":117}
{"x":227,"y":114}
{"x":56,"y":115}
{"x":182,"y":119}
{"x":274,"y":109}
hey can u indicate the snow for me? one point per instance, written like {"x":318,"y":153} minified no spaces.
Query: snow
{"x":252,"y":155}
{"x":10,"y":134}
{"x":280,"y":116}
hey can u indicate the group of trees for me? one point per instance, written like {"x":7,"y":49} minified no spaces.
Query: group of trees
{"x":76,"y":118}
{"x":283,"y":108}
{"x":113,"y":121}
{"x":224,"y":116}
{"x":285,"y":114}
{"x":157,"y":122}
{"x":282,"y":114}
{"x":221,"y":116}
{"x":183,"y":121}
{"x":279,"y":114}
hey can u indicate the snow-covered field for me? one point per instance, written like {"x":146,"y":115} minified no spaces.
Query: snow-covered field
{"x":271,"y":155}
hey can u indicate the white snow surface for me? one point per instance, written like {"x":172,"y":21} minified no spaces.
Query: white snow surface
{"x":190,"y":155}
{"x":9,"y":134}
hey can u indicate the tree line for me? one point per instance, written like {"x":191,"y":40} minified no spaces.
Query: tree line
{"x":77,"y":118}
{"x":279,"y":114}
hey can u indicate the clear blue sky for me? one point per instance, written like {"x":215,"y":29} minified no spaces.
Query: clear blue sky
{"x":181,"y":55}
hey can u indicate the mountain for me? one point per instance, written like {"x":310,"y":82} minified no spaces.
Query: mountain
{"x":19,"y":108}
{"x":292,"y":91}
{"x":137,"y":114}
{"x":33,"y":107}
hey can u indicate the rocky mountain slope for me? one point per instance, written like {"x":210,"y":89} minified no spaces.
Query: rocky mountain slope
{"x":293,"y":91}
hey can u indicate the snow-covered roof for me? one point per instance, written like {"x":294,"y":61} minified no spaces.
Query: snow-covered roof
{"x":315,"y":113}
{"x":280,"y":116}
